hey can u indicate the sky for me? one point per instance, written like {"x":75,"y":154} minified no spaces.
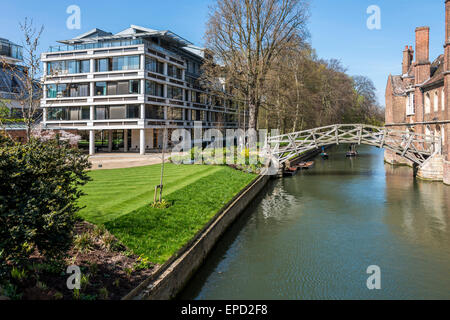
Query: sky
{"x":338,"y":28}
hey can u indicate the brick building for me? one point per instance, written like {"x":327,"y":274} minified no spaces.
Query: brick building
{"x":418,"y":99}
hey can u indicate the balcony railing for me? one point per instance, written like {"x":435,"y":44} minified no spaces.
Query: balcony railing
{"x":113,"y":44}
{"x":96,"y":45}
{"x":9,"y":49}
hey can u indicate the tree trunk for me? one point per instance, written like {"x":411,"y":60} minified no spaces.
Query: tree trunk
{"x":297,"y":107}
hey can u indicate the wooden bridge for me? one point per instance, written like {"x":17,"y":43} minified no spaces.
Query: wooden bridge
{"x":412,"y":146}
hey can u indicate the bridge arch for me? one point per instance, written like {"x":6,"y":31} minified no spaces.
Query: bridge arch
{"x":413,"y":146}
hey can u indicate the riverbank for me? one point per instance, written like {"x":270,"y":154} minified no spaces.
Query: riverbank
{"x":169,"y":279}
{"x":120,"y":201}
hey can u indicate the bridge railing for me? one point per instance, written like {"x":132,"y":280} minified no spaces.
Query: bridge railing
{"x":416,"y":147}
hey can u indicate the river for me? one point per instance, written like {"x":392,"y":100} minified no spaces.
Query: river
{"x":314,"y":235}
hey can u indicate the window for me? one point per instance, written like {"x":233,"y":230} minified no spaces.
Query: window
{"x":117,"y":64}
{"x":100,"y":88}
{"x":117,"y":112}
{"x":154,"y":112}
{"x":85,"y":113}
{"x":67,"y":90}
{"x":51,"y":91}
{"x":174,"y":72}
{"x":174,"y":113}
{"x":134,"y":87}
{"x":427,"y":103}
{"x":133,"y":111}
{"x":74,"y":113}
{"x":174,"y":93}
{"x":117,"y":88}
{"x":68,"y":67}
{"x":154,"y":89}
{"x":195,"y":96}
{"x":154,"y":65}
{"x":68,"y":113}
{"x":443,"y":101}
{"x":123,"y":87}
{"x":102,"y":65}
{"x":101,"y":113}
{"x":55,"y":114}
{"x":85,"y":66}
{"x":198,"y":115}
{"x":78,"y":90}
{"x":436,"y":102}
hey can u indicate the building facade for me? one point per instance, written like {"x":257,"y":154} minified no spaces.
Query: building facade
{"x":418,"y":99}
{"x":128,"y":88}
{"x":11,"y":88}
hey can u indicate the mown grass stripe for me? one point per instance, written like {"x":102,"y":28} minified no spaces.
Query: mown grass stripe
{"x":158,"y":234}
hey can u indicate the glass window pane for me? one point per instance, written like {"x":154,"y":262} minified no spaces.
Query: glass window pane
{"x":100,"y":88}
{"x":51,"y":91}
{"x":85,"y":66}
{"x":85,"y":113}
{"x":101,"y":113}
{"x":133,"y":111}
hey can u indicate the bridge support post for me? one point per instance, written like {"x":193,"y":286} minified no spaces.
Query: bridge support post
{"x":432,"y":169}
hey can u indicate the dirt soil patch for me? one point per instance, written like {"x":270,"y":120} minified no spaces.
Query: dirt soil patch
{"x":108,"y":270}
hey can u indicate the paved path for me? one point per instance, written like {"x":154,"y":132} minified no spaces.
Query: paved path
{"x":124,"y":160}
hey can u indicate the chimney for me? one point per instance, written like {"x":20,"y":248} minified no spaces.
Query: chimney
{"x":422,"y":45}
{"x":447,"y":21}
{"x":407,"y":59}
{"x":447,"y":36}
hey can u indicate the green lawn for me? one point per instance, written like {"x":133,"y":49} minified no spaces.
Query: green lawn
{"x":120,"y":198}
{"x":113,"y":193}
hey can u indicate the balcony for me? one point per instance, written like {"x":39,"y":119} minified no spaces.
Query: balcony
{"x":10,"y":50}
{"x":96,"y":45}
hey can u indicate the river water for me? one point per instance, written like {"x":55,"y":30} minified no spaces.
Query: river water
{"x":314,"y":235}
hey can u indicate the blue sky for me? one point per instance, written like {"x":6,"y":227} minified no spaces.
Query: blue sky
{"x":338,"y":27}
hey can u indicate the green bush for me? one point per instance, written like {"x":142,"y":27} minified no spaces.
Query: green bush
{"x":39,"y":187}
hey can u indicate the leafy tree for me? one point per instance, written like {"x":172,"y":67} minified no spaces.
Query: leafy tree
{"x":39,"y":187}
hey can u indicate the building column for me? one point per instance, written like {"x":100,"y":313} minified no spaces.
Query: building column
{"x":125,"y":140}
{"x":92,"y":89}
{"x":142,"y":111}
{"x":110,"y":140}
{"x":142,"y":87}
{"x":92,"y":65}
{"x":91,"y":142}
{"x":142,"y":141}
{"x":91,"y":113}
{"x":44,"y":115}
{"x":142,"y":61}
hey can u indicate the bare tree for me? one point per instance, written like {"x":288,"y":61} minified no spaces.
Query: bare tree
{"x":28,"y":90}
{"x":245,"y":38}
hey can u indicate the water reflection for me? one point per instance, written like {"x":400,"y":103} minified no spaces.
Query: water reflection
{"x":275,"y":204}
{"x":418,"y":210}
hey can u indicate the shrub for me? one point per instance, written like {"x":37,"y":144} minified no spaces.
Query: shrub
{"x":83,"y":242}
{"x":39,"y":187}
{"x":163,"y":204}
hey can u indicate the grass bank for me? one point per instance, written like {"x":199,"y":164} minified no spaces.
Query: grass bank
{"x":120,"y":198}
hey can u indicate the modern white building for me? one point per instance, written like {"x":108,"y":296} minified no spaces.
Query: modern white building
{"x":121,"y":91}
